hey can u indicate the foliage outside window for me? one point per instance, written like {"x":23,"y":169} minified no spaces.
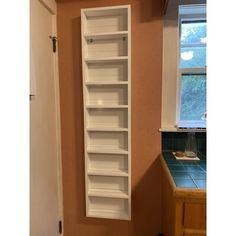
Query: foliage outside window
{"x":192,"y":66}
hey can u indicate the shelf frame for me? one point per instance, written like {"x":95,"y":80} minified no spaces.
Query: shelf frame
{"x":96,"y":198}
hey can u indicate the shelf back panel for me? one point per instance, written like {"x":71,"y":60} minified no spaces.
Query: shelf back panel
{"x":115,"y":205}
{"x":108,"y":183}
{"x":108,"y":162}
{"x":112,"y":47}
{"x":106,"y":23}
{"x":106,"y":71}
{"x":109,"y":140}
{"x":110,"y":118}
{"x":107,"y":95}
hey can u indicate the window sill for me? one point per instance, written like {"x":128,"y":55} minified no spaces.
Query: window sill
{"x":182,"y":130}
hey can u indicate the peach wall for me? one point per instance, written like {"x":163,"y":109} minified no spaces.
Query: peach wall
{"x":147,"y":26}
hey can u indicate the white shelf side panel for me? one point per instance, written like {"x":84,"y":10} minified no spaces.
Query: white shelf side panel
{"x":106,"y":52}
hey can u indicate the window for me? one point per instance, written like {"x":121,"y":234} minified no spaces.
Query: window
{"x":192,"y":66}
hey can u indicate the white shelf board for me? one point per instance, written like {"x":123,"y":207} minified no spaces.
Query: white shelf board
{"x":107,"y":129}
{"x":108,"y":214}
{"x":106,"y":106}
{"x":108,"y":193}
{"x":106,"y":35}
{"x":105,"y":59}
{"x":106,"y":150}
{"x":107,"y":172}
{"x":106,"y":83}
{"x":103,"y":11}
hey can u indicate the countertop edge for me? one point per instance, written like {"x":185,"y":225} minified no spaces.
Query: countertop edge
{"x":182,"y":192}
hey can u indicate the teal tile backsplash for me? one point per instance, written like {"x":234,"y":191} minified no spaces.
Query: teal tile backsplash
{"x":176,"y":141}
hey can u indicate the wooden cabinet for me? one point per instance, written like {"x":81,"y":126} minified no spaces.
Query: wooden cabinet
{"x":194,"y":215}
{"x":190,"y":216}
{"x":183,"y":210}
{"x":106,"y":54}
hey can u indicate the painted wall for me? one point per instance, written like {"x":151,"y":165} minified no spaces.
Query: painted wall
{"x":147,"y":26}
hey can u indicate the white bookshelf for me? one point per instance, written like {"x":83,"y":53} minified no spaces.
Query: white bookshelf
{"x":106,"y":53}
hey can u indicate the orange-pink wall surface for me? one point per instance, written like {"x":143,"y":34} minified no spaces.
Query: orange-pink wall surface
{"x":146,"y":73}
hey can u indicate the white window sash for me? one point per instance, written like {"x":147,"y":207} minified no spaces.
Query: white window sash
{"x":193,"y":45}
{"x":191,"y":70}
{"x":185,"y":16}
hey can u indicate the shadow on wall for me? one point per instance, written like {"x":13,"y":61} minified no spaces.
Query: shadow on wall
{"x":150,"y":12}
{"x":146,"y":205}
{"x":79,"y":121}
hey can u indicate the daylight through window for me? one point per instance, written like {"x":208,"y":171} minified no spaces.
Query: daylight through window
{"x":192,"y":66}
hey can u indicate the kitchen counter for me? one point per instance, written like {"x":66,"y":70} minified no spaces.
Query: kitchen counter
{"x":183,"y":196}
{"x":186,"y":174}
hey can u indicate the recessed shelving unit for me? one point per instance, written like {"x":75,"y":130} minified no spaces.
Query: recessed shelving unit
{"x":106,"y":53}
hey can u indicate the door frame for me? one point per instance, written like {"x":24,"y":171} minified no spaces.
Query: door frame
{"x":52,"y":8}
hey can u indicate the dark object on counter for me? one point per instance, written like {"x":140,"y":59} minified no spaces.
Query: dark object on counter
{"x":179,"y":154}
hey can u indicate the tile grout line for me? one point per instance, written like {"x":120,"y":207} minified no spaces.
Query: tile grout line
{"x":194,"y":181}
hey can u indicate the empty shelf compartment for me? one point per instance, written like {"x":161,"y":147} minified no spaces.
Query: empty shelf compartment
{"x":107,"y":20}
{"x":106,"y":71}
{"x":108,"y":184}
{"x":108,"y":162}
{"x":106,"y":47}
{"x":108,"y":208}
{"x":107,"y":118}
{"x":107,"y":140}
{"x":107,"y":95}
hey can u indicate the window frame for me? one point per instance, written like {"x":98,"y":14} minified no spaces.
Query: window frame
{"x":188,"y":15}
{"x":170,"y":82}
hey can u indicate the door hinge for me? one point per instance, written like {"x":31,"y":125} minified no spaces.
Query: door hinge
{"x":31,"y":96}
{"x":54,"y":43}
{"x":60,"y":226}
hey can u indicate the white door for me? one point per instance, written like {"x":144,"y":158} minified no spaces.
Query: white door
{"x":45,"y":171}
